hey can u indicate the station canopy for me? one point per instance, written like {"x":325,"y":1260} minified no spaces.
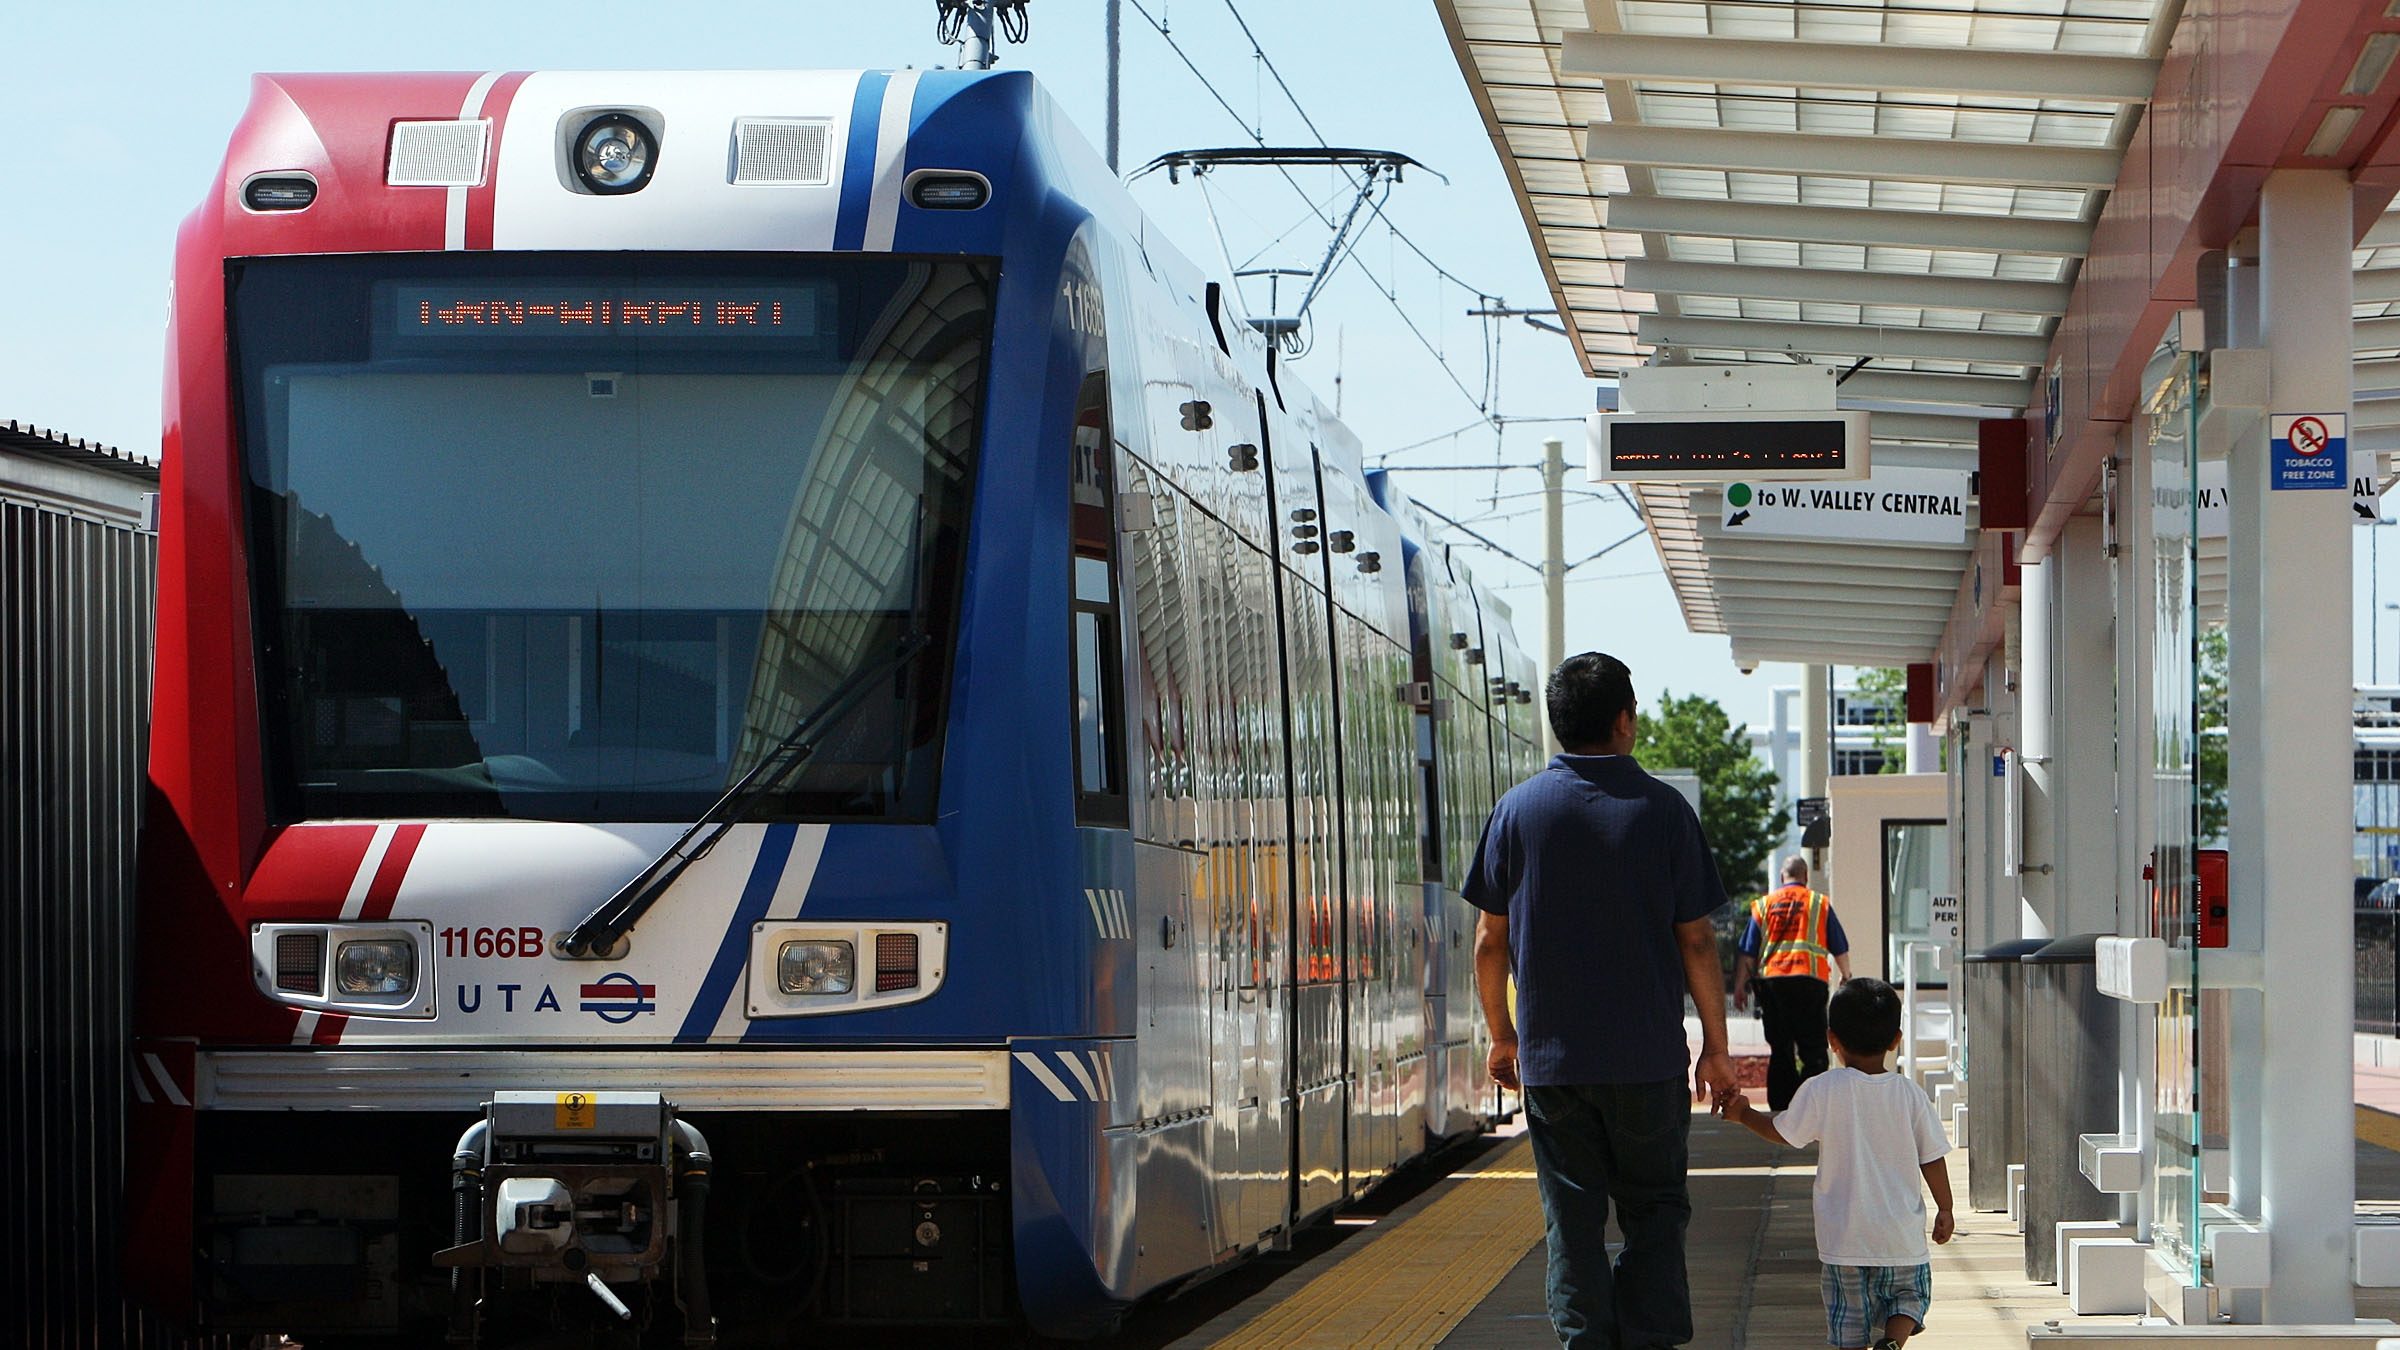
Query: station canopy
{"x":1911,"y":184}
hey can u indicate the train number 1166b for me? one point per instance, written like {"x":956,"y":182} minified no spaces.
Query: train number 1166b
{"x":491,"y":942}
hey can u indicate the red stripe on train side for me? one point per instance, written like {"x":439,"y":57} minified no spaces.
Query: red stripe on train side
{"x":481,"y":200}
{"x":386,"y":886}
{"x":306,"y":872}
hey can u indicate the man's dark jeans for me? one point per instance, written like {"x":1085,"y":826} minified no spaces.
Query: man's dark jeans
{"x":1791,"y":1011}
{"x":1626,"y":1144}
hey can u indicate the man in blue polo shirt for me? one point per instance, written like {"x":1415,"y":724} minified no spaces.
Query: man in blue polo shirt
{"x":1596,"y":888}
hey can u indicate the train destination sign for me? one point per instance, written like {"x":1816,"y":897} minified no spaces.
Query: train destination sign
{"x":470,"y":311}
{"x":1893,"y":505}
{"x":1727,"y":446}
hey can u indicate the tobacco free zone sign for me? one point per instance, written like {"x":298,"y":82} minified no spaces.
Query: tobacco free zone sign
{"x":2308,"y":451}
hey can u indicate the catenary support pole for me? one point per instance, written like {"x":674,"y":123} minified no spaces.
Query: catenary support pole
{"x":2300,"y":821}
{"x":1116,"y":56}
{"x":1554,"y":568}
{"x":977,"y":52}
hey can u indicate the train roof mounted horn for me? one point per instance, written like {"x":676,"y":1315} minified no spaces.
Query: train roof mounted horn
{"x":1372,"y":172}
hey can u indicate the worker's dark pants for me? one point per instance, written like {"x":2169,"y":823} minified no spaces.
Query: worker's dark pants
{"x":1791,"y":1008}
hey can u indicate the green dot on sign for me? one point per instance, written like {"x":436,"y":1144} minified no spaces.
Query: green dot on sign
{"x":1738,"y":494}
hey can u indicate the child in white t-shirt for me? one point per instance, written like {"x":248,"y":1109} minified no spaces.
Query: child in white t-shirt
{"x":1876,"y":1136}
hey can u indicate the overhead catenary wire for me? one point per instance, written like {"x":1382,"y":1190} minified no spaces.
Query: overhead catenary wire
{"x":1485,"y":540}
{"x":1389,"y":294}
{"x":1259,"y":50}
{"x":1486,"y":402}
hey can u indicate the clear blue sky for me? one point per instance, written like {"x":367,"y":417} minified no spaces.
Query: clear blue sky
{"x":130,"y":105}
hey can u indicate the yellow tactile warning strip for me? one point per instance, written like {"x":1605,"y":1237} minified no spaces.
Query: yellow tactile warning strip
{"x":1410,"y":1286}
{"x":2380,"y":1128}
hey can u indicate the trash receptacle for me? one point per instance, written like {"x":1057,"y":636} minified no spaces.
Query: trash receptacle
{"x":2070,"y":1053}
{"x":1993,"y":1057}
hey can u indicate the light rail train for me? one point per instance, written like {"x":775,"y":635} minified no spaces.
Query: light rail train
{"x":770,"y":713}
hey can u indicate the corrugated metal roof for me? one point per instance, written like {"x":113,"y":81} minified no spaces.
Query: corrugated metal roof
{"x":1907,"y":181}
{"x":24,"y":438}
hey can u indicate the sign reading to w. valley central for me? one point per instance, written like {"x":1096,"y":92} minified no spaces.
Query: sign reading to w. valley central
{"x":1895,"y":505}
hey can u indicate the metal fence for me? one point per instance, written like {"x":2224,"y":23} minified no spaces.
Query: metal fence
{"x":2375,"y":942}
{"x":76,"y":594}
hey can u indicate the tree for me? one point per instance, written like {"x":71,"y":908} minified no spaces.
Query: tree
{"x":1888,"y":686}
{"x":2209,"y":776}
{"x":1737,"y":793}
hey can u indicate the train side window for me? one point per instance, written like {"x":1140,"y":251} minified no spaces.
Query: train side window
{"x":1098,"y":660}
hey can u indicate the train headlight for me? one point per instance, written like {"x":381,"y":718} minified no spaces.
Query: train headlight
{"x":816,"y":967}
{"x":385,"y":966}
{"x":615,"y":153}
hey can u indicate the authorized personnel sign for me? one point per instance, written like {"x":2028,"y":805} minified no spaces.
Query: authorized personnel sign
{"x":1942,"y":919}
{"x":1893,"y":505}
{"x":2309,"y":450}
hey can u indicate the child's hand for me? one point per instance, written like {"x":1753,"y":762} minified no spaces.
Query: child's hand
{"x":1943,"y":1226}
{"x":1735,"y":1106}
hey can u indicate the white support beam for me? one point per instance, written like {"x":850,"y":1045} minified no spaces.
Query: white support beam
{"x":2375,"y":285}
{"x":1870,"y":577}
{"x":2001,"y":394}
{"x":1788,"y":553}
{"x":1638,"y":213}
{"x":2374,"y":335}
{"x":1833,"y":649}
{"x":1922,"y":427}
{"x":2375,"y":377}
{"x":1859,"y":65}
{"x":1891,"y":455}
{"x":2384,"y":233}
{"x":1732,"y":592}
{"x":1912,"y":290}
{"x":2291,"y":802}
{"x":1904,"y":342}
{"x":1905,"y":158}
{"x":1773,"y":618}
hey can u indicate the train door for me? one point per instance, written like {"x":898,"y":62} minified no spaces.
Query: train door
{"x":1220,"y":896}
{"x":1370,"y":825}
{"x":1264,"y":995}
{"x":1318,"y":1074}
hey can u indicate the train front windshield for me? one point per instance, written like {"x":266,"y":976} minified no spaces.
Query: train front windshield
{"x":580,"y":537}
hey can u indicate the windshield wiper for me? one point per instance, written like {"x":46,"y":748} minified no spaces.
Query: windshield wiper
{"x":597,"y":936}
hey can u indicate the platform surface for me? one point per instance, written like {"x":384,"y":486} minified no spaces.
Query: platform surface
{"x":1452,"y":1258}
{"x":1459,"y":1266}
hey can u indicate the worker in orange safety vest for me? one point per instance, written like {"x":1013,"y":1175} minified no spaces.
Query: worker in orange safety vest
{"x":1794,"y":944}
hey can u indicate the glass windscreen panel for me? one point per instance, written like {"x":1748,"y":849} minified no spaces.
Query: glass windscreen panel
{"x":583,"y":536}
{"x":2172,"y":420}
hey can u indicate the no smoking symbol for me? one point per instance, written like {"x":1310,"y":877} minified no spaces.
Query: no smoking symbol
{"x":2309,"y":436}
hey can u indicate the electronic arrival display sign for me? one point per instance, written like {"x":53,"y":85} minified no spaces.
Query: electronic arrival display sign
{"x":1715,"y":447}
{"x":453,"y":315}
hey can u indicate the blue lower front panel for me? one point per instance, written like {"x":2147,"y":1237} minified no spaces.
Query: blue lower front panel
{"x":1107,"y":1206}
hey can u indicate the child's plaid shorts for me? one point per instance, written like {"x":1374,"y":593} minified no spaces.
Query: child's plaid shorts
{"x":1860,"y":1299}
